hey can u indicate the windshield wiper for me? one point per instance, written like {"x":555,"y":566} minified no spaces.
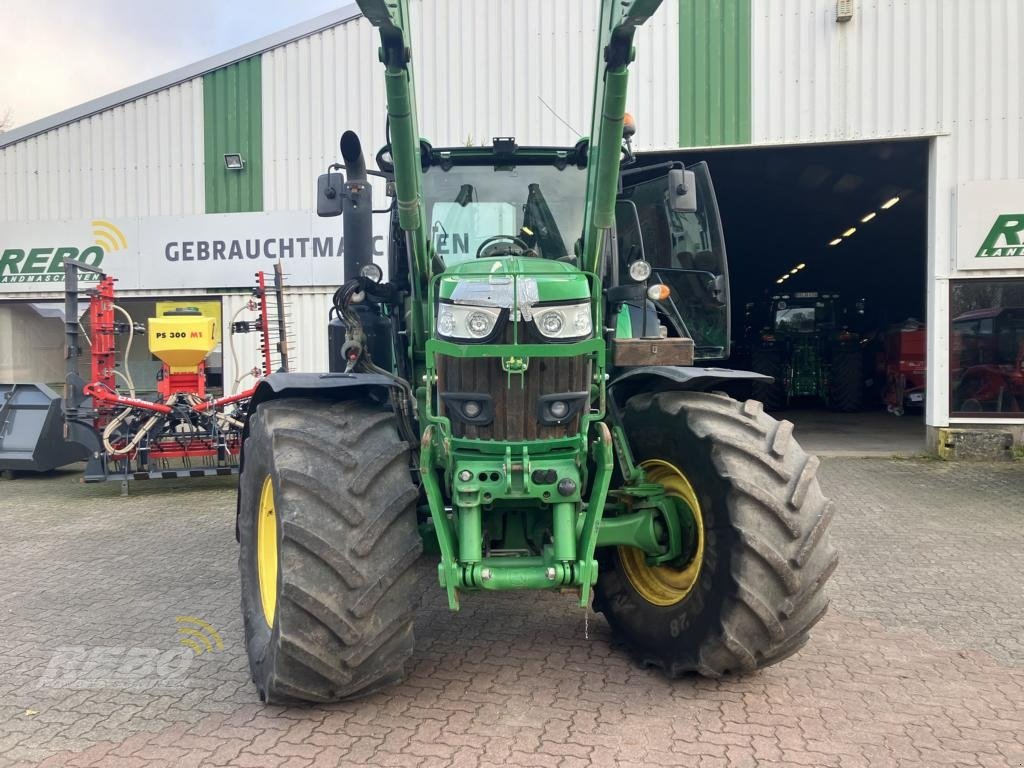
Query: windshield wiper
{"x":538,"y":218}
{"x":465,"y":196}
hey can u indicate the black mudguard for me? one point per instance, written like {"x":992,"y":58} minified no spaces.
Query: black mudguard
{"x":329,"y":386}
{"x":662,"y":378}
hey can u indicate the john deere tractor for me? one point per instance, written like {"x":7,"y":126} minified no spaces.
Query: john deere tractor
{"x":526,"y":395}
{"x":808,"y":350}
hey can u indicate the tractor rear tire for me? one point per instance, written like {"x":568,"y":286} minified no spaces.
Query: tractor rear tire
{"x":847,"y":380}
{"x":340,"y":542}
{"x":766,"y":553}
{"x":772,"y":395}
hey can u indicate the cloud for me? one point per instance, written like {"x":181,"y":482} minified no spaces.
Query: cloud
{"x":56,"y":54}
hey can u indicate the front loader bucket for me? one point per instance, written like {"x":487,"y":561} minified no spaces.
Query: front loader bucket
{"x":32,"y":430}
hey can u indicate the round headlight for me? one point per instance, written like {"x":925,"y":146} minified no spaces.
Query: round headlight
{"x":445,"y":322}
{"x":639,"y":270}
{"x":582,"y":320}
{"x":478,"y":324}
{"x":551,"y":322}
{"x":471,"y":409}
{"x":558,"y":409}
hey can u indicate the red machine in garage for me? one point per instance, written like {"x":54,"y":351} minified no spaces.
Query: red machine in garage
{"x":905,"y":366}
{"x":988,"y":361}
{"x":182,"y":431}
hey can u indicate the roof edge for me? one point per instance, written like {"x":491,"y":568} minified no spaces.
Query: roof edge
{"x":177,"y":76}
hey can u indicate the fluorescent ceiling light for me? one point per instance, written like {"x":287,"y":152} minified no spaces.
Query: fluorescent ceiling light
{"x":793,"y":271}
{"x":868,"y":217}
{"x":800,"y":266}
{"x":837,"y":241}
{"x":890,"y":203}
{"x":779,"y":281}
{"x":849,"y":232}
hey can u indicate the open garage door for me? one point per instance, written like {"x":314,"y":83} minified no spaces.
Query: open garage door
{"x":827,"y":249}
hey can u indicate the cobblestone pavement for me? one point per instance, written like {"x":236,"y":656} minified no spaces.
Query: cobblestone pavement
{"x":919,"y":663}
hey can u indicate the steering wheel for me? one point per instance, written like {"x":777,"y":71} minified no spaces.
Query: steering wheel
{"x":520,"y":244}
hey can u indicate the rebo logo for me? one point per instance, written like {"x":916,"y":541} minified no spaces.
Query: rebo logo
{"x":46,"y":264}
{"x":1004,"y":239}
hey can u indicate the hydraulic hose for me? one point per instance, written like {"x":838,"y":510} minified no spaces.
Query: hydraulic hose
{"x":128,"y":348}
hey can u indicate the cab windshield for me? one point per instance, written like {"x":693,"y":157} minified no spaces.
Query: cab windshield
{"x":538,"y":205}
{"x":803,"y":316}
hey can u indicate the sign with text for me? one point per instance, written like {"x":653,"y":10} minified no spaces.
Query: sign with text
{"x":160,"y":252}
{"x":990,"y":225}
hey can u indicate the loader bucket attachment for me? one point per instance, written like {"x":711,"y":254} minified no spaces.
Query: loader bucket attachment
{"x":32,"y":430}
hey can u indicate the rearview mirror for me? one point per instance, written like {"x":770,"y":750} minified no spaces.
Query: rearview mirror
{"x":682,"y":191}
{"x":329,"y":195}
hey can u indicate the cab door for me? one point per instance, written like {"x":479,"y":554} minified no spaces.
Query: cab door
{"x":686,"y":252}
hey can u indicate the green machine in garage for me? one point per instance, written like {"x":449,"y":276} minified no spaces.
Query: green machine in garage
{"x":531,"y":394}
{"x":809,"y":351}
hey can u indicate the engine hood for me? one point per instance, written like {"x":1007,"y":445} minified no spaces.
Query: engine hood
{"x":508,"y":281}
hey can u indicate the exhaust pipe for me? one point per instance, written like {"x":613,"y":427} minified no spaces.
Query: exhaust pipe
{"x":352,"y":154}
{"x":357,"y":208}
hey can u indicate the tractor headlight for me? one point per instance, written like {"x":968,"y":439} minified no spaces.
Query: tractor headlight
{"x":467,"y":323}
{"x":563,"y":321}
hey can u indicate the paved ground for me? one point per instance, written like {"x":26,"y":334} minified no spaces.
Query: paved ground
{"x":868,"y":433}
{"x":919,"y":663}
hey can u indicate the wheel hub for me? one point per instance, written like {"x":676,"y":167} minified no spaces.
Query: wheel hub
{"x":266,"y":550}
{"x":665,"y":585}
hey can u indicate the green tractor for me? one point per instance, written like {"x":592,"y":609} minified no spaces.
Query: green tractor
{"x":808,"y":351}
{"x":525,"y":396}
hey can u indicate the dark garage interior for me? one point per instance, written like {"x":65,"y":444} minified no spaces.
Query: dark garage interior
{"x":790,"y":206}
{"x":782,"y":207}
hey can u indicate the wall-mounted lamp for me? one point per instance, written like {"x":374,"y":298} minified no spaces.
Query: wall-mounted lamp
{"x":233,"y":161}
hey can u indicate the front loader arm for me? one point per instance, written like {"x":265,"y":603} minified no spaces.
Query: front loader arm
{"x":391,"y":17}
{"x":619,"y":20}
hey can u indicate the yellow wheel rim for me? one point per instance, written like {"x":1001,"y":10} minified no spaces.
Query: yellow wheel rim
{"x":664,"y":584}
{"x":266,"y":550}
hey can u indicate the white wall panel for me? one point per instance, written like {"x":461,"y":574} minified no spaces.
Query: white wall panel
{"x":142,"y":158}
{"x":483,"y":68}
{"x":899,"y":68}
{"x":306,"y":310}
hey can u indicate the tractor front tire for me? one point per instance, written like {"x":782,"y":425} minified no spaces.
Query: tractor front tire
{"x":328,"y":535}
{"x":847,"y":380}
{"x":765,"y":556}
{"x":772,"y":395}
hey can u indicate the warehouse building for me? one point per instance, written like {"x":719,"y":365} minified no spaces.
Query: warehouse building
{"x":870,"y":147}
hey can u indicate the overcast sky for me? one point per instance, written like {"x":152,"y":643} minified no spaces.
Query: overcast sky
{"x":55,"y":54}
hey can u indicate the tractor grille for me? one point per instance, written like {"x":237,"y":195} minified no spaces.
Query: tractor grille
{"x":515,"y":397}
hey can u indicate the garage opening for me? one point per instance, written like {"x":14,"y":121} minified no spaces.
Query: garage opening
{"x":827,"y":248}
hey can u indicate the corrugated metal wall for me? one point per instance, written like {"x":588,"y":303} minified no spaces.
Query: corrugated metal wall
{"x":306,"y":310}
{"x":483,"y":68}
{"x":233,"y":122}
{"x":143,"y":158}
{"x":714,"y":76}
{"x":899,"y":68}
